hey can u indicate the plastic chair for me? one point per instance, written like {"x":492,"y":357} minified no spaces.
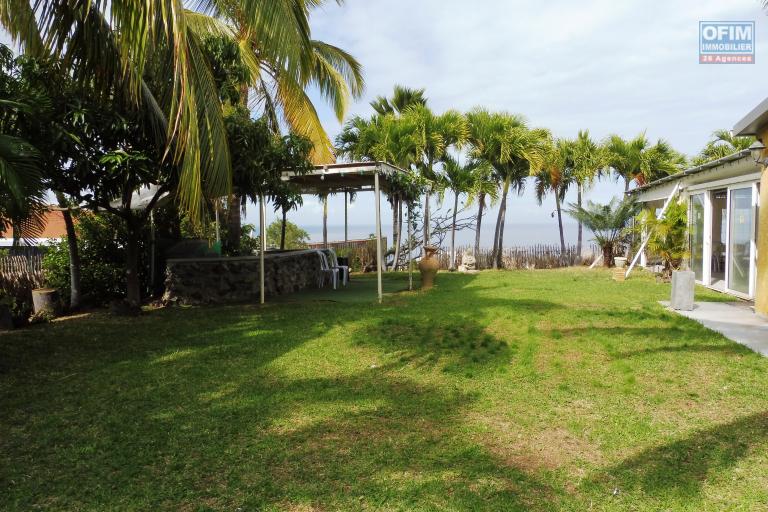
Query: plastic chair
{"x":326,"y":269}
{"x":343,"y":268}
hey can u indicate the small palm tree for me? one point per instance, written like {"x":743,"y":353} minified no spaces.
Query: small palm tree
{"x":668,"y":236}
{"x":286,"y":199}
{"x":608,"y":222}
{"x":460,"y":179}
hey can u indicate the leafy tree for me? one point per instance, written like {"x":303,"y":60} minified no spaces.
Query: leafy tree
{"x":460,"y":179}
{"x":287,"y":198}
{"x":608,"y":222}
{"x":287,"y":235}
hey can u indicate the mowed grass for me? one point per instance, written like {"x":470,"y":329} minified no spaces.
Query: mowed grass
{"x":542,"y":390}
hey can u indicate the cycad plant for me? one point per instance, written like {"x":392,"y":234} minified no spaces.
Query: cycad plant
{"x":608,"y":222}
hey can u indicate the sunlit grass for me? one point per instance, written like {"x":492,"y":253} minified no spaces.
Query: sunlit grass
{"x":502,"y":391}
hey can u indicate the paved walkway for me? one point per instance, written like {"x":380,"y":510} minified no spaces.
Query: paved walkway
{"x":734,"y":320}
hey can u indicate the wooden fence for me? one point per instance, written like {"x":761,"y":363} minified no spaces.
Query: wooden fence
{"x":20,"y":274}
{"x":532,"y":257}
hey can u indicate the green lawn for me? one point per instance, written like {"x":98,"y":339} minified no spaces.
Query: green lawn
{"x":523,"y":390}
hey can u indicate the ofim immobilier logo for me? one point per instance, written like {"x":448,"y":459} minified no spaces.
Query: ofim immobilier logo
{"x":726,"y":42}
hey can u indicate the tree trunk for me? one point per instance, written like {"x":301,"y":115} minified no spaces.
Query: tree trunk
{"x":325,"y":221}
{"x":480,"y":206}
{"x":133,"y":287}
{"x":452,"y":266}
{"x":282,"y":230}
{"x":75,"y":290}
{"x":234,"y":229}
{"x":399,"y":239}
{"x":578,"y":203}
{"x":560,"y":222}
{"x":500,"y":226}
{"x":608,"y":255}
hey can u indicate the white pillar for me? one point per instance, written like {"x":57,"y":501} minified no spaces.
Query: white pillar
{"x":379,"y":261}
{"x":345,"y":216}
{"x":263,"y":244}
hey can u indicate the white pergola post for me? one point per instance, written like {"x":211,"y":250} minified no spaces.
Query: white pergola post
{"x":345,"y":216}
{"x":378,"y":232}
{"x":410,"y":251}
{"x":263,"y":244}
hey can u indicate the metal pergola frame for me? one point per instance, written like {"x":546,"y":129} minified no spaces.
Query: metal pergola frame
{"x":343,"y":177}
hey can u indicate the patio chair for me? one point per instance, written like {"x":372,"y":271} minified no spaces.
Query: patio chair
{"x":344,"y":269}
{"x":327,"y":270}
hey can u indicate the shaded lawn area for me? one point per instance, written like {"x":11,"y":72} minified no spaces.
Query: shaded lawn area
{"x":517,"y":390}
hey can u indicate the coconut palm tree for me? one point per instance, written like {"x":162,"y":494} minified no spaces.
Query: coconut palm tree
{"x":556,"y":177}
{"x":723,"y":143}
{"x":22,"y":193}
{"x":608,"y":222}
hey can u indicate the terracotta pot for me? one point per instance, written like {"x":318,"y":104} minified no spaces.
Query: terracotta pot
{"x":428,"y":267}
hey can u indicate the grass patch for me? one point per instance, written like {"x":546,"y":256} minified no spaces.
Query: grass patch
{"x":502,"y":391}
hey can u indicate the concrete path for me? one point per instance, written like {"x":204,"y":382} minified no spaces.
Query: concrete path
{"x":734,"y":320}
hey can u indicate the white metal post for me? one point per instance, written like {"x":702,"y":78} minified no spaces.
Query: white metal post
{"x":345,"y":216}
{"x":378,"y":232}
{"x":263,"y":246}
{"x":410,"y":251}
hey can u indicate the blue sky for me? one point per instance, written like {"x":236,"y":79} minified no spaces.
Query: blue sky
{"x":604,"y":65}
{"x":607,"y":66}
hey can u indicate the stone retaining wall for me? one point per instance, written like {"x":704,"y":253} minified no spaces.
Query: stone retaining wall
{"x":236,"y":279}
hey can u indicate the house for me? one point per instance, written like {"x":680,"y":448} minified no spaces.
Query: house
{"x":728,"y":251}
{"x":53,"y":232}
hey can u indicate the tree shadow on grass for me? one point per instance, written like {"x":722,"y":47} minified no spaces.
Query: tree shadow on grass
{"x":680,"y":469}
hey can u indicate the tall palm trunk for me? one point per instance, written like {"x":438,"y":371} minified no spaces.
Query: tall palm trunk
{"x":282,"y":230}
{"x":452,"y":266}
{"x":581,"y":227}
{"x":325,"y":221}
{"x":499,"y":245}
{"x":75,"y":293}
{"x":480,"y":206}
{"x":560,"y":221}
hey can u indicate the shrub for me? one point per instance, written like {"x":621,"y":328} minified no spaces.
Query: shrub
{"x":101,"y":243}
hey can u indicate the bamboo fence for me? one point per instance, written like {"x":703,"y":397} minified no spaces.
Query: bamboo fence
{"x":532,"y":257}
{"x":20,"y":274}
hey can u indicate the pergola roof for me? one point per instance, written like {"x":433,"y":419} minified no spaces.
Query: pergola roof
{"x":354,"y":176}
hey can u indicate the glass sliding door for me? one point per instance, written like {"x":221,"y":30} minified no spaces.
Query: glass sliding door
{"x":740,"y":239}
{"x":696,"y":234}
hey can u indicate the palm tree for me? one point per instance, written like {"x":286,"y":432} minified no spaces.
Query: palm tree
{"x":556,"y":177}
{"x":22,"y":193}
{"x":402,"y":98}
{"x":460,"y":179}
{"x":639,"y":161}
{"x":281,"y":74}
{"x":436,"y":134}
{"x":588,"y":160}
{"x":608,"y":222}
{"x":285,"y":200}
{"x":723,"y":143}
{"x":515,"y":152}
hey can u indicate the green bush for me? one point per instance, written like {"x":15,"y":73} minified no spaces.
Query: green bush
{"x":101,"y":243}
